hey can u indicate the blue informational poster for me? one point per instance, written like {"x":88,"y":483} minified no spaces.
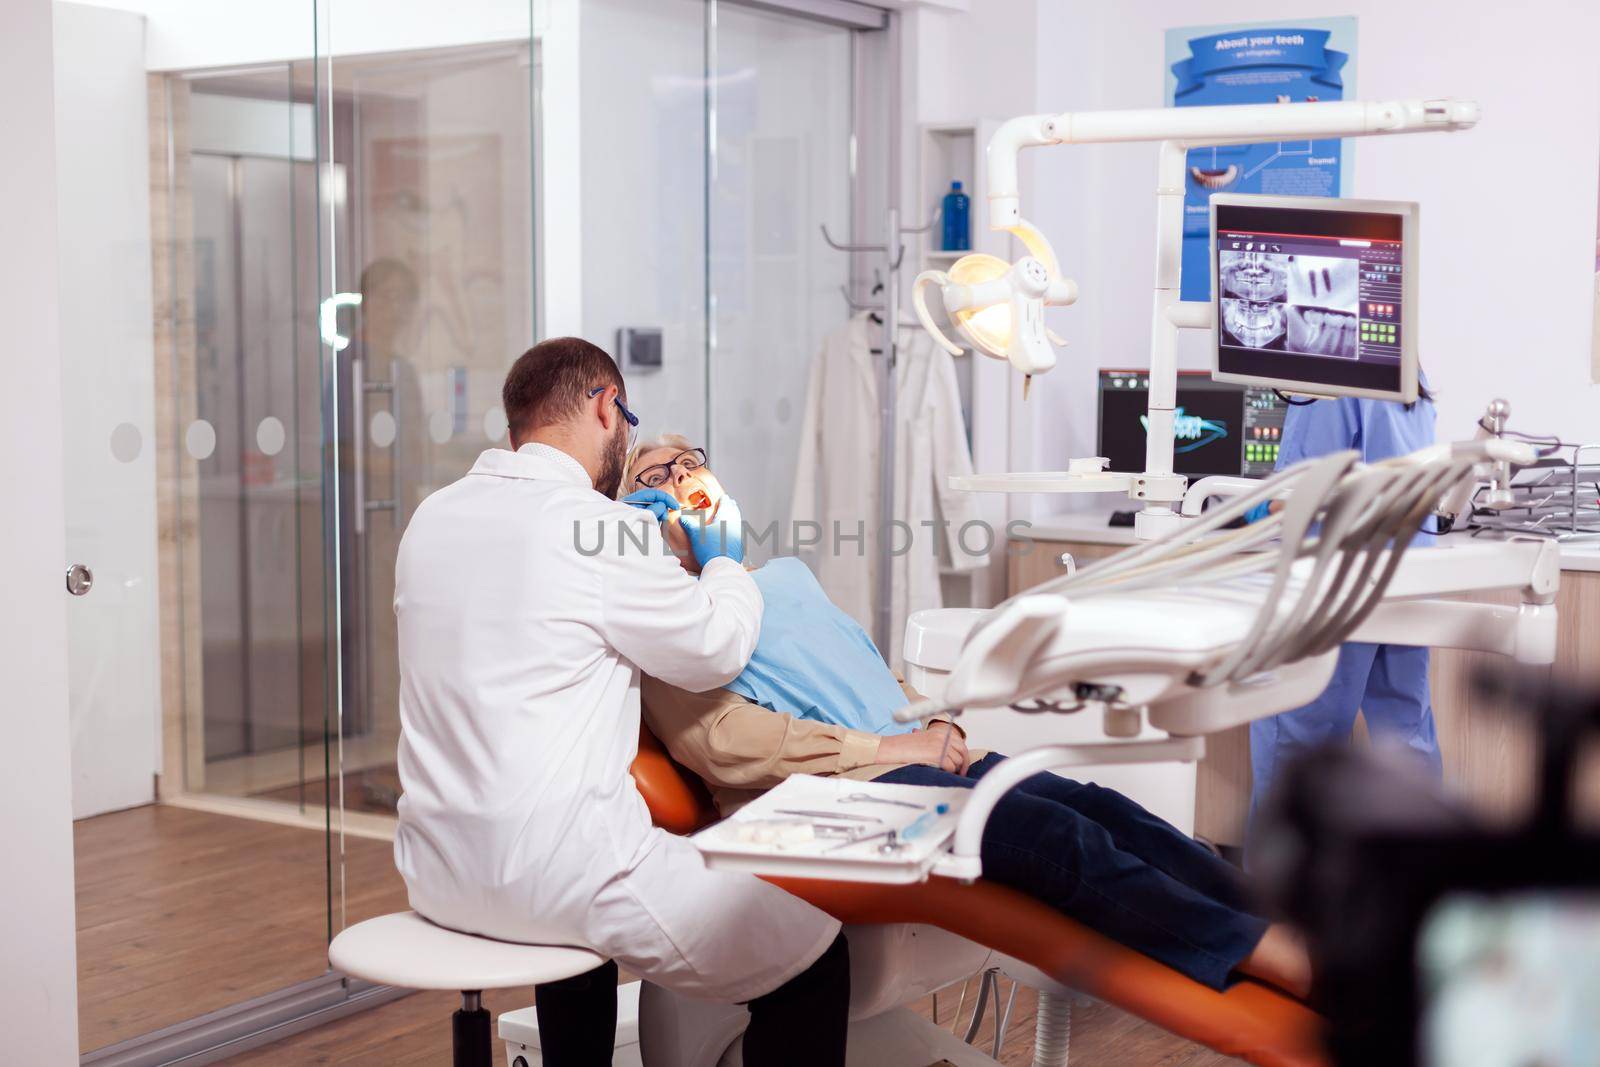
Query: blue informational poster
{"x":1265,"y":63}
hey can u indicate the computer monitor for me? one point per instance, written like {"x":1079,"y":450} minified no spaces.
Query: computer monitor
{"x":1219,"y":428}
{"x":1315,"y":295}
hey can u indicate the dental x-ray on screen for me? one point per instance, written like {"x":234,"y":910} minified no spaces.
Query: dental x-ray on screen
{"x":1284,"y":302}
{"x":1314,"y":294}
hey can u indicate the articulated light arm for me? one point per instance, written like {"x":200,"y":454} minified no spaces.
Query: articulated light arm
{"x":1197,"y":127}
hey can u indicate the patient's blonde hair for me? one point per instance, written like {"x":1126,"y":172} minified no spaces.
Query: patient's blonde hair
{"x":631,"y":469}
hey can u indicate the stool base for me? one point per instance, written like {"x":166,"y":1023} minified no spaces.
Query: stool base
{"x":471,"y":1041}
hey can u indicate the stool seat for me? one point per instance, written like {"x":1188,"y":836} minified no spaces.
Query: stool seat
{"x":406,"y":950}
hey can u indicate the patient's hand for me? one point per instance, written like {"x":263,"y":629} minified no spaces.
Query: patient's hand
{"x":925,"y":746}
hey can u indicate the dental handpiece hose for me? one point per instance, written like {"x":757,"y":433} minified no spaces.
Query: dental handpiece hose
{"x":1459,"y":499}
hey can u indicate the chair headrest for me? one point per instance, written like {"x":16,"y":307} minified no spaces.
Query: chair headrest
{"x":677,"y":800}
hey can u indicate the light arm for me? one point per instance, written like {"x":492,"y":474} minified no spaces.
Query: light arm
{"x":1201,"y":126}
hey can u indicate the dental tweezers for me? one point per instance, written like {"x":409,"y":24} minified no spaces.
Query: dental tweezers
{"x":835,"y":815}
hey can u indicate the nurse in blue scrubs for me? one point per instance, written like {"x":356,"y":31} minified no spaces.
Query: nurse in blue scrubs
{"x":1388,"y":684}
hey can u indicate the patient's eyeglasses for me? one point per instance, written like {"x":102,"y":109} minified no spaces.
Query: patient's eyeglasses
{"x":655,"y":477}
{"x":630,"y":417}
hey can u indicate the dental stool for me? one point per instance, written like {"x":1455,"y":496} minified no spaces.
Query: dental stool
{"x":408,"y":951}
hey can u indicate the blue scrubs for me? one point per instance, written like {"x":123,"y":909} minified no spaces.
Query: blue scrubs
{"x":1388,"y":684}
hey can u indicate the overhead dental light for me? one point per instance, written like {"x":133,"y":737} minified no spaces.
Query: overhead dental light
{"x":998,"y":307}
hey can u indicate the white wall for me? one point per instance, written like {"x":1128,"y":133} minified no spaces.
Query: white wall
{"x":964,"y":68}
{"x":38,"y":991}
{"x":108,"y":368}
{"x":1065,"y":202}
{"x":1508,"y":208}
{"x":971,"y":65}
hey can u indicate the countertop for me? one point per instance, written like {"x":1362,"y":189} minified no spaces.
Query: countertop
{"x":1090,"y":527}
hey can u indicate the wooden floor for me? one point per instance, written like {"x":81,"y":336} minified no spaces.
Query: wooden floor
{"x":415,"y":1032}
{"x":183,"y":912}
{"x":375,"y":790}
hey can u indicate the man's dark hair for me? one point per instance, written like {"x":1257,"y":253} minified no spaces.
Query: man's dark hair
{"x":550,"y":382}
{"x":382,"y":271}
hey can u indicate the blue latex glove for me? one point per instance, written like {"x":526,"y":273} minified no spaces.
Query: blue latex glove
{"x":710,"y":538}
{"x":655,"y":501}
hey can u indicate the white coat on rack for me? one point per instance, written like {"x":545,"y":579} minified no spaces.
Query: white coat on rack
{"x":836,"y":475}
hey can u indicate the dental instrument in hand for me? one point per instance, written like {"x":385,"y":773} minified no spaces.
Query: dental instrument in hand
{"x":867,"y":798}
{"x":944,"y":750}
{"x":654,"y":501}
{"x":719,"y":533}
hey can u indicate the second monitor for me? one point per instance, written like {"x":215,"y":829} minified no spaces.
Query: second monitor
{"x":1219,"y":428}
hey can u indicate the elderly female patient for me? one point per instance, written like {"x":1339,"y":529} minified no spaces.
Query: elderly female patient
{"x":817,"y":698}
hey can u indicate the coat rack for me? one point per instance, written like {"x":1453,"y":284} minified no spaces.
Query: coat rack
{"x":893,"y":252}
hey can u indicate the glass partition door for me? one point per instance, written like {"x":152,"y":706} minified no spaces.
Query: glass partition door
{"x":427,"y":297}
{"x":243,"y":201}
{"x":290,"y":291}
{"x":717,"y":139}
{"x":781,"y":167}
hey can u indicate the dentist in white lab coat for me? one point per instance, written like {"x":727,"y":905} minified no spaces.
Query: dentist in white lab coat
{"x":527,"y":603}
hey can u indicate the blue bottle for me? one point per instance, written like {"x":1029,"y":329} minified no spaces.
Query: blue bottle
{"x":957,"y":231}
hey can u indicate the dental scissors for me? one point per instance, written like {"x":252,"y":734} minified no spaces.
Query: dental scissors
{"x":868,"y":798}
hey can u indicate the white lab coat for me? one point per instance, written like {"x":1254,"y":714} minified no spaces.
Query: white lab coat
{"x":836,"y":476}
{"x":519,"y":707}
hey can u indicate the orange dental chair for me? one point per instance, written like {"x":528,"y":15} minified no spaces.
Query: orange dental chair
{"x":1037,"y":945}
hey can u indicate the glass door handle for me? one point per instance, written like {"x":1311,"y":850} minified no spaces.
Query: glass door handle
{"x":358,"y":440}
{"x":359,"y":388}
{"x":80,"y":579}
{"x":391,"y":505}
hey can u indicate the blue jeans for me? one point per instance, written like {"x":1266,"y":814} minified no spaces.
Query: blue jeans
{"x":1096,"y":856}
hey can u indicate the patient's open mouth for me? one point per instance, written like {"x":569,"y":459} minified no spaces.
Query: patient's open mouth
{"x":701,"y":492}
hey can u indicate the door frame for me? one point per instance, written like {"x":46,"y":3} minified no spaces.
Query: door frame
{"x":38,"y":969}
